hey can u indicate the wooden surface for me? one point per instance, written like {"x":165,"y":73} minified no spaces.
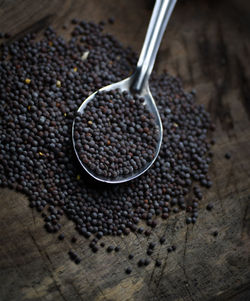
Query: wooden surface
{"x":207,"y":44}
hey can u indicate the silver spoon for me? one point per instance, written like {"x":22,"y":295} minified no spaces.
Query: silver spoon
{"x":138,"y":82}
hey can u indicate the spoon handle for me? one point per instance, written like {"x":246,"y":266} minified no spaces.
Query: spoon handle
{"x":157,"y":25}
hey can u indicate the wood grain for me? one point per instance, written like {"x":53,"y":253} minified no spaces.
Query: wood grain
{"x":206,"y":44}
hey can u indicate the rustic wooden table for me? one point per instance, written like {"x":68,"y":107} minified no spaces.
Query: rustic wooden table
{"x":207,"y":43}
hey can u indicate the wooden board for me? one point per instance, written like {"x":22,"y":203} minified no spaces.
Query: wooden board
{"x":207,"y":44}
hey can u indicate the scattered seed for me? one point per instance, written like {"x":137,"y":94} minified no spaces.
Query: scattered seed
{"x":74,"y":21}
{"x":77,"y":260}
{"x":210,"y":206}
{"x":141,"y":262}
{"x":128,"y":270}
{"x":157,"y":263}
{"x":162,"y":240}
{"x":73,"y":239}
{"x":94,"y":249}
{"x":110,"y":249}
{"x":146,"y":262}
{"x":150,"y":252}
{"x":170,"y":249}
{"x":111,"y":20}
{"x":140,"y":230}
{"x":152,"y":245}
{"x":72,"y":255}
{"x":61,"y":236}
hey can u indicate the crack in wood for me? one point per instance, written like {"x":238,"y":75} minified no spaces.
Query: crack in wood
{"x":245,"y":219}
{"x":157,"y":257}
{"x":76,"y":291}
{"x":47,"y":268}
{"x":165,"y":261}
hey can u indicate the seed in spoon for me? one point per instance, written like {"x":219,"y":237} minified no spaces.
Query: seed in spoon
{"x":115,"y":135}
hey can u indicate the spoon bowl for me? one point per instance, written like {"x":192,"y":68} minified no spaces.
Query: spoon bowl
{"x":124,"y":85}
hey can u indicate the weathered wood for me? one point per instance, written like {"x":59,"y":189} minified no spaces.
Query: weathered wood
{"x":207,"y":44}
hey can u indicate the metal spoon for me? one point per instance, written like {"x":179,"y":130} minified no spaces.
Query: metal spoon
{"x":138,"y":82}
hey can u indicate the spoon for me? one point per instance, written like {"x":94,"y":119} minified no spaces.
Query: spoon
{"x":138,"y":83}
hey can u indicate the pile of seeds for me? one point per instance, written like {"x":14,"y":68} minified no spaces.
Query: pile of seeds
{"x":116,"y":135}
{"x":42,"y":84}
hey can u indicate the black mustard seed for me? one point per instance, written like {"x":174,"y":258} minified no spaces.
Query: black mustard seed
{"x":42,"y":84}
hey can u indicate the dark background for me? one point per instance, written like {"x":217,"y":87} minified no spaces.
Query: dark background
{"x":207,"y":44}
